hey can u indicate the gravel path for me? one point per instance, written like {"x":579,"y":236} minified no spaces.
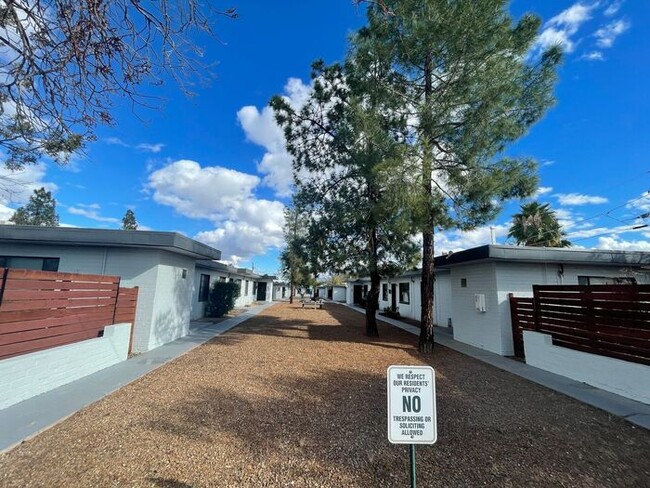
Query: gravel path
{"x":297,"y":397}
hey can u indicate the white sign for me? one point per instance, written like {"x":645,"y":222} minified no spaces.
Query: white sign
{"x":412,"y":405}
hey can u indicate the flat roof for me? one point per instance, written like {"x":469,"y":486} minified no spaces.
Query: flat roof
{"x":494,"y":252}
{"x":74,"y":236}
{"x":226,"y":268}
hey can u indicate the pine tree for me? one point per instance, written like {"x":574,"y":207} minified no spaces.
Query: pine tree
{"x":40,"y":210}
{"x":345,"y":142}
{"x":470,"y":86}
{"x":128,"y":221}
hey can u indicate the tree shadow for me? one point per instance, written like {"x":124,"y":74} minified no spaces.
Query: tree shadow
{"x":168,"y":483}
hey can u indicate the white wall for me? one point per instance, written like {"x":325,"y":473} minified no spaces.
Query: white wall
{"x":339,"y":294}
{"x":479,"y":329}
{"x":624,"y":378}
{"x":442,"y":299}
{"x":25,"y":376}
{"x":173,"y":300}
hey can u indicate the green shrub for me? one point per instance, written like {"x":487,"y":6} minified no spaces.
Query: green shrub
{"x":222,"y":299}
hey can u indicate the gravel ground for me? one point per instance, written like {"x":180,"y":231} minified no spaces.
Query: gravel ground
{"x":297,"y":397}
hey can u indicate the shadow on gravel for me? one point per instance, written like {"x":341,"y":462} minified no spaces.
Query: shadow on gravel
{"x":337,"y":420}
{"x":168,"y":483}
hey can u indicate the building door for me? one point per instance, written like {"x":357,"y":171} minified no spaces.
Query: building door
{"x":393,"y":297}
{"x":261,"y":292}
{"x":330,"y":293}
{"x":357,"y":294}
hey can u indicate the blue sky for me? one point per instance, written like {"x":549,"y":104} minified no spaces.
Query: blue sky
{"x":214,"y":166}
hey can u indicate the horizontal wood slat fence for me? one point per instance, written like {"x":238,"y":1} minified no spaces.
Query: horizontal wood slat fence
{"x":43,"y":309}
{"x":522,"y":313}
{"x":609,"y":320}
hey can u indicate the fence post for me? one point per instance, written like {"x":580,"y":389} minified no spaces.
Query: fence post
{"x":536,"y":306}
{"x":4,"y":283}
{"x":117,"y":297}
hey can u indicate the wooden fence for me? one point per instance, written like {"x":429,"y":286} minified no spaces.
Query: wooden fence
{"x":43,"y":309}
{"x":523,"y":318}
{"x":609,"y":320}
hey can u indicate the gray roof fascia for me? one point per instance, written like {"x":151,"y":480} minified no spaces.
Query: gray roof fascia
{"x":529,"y":254}
{"x":73,"y":236}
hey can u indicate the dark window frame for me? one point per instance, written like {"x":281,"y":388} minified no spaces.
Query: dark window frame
{"x":401,"y":293}
{"x":384,"y":292}
{"x":47,"y":263}
{"x":204,"y":287}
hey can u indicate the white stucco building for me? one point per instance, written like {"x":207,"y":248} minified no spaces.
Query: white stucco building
{"x":252,"y":287}
{"x":161,"y":264}
{"x":472,"y":286}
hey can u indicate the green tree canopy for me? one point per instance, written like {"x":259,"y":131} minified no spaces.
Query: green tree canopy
{"x":537,"y":225}
{"x":469,"y":85}
{"x":40,"y":210}
{"x":128,"y":221}
{"x":346,"y":145}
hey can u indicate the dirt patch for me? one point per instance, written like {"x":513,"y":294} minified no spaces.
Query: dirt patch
{"x":297,"y":397}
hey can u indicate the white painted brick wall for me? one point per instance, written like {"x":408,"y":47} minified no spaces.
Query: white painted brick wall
{"x":624,"y":378}
{"x":26,"y":376}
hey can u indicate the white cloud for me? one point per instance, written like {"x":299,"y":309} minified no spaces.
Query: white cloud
{"x":244,"y":225}
{"x":542,"y":190}
{"x":255,"y":229}
{"x":579,"y":199}
{"x":560,"y":29}
{"x":261,"y":129}
{"x":594,"y":56}
{"x":143,"y":146}
{"x":613,"y":8}
{"x":17,"y":186}
{"x":197,"y":192}
{"x":607,"y":34}
{"x":614,"y":243}
{"x":91,"y":211}
{"x":116,"y":141}
{"x":455,"y":240}
{"x":152,"y":148}
{"x":642,"y":202}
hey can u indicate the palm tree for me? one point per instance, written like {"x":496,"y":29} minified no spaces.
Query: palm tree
{"x":537,"y":225}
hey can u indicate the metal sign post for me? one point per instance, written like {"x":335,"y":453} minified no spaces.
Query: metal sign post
{"x":412,"y":408}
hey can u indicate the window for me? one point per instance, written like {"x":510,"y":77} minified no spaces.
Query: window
{"x":222,"y":279}
{"x":254,"y":287}
{"x":204,"y":287}
{"x":463,"y":282}
{"x":605,"y":280}
{"x":246,"y":288}
{"x":384,"y":292}
{"x":365,"y":291}
{"x":39,"y":264}
{"x":404,"y":294}
{"x":184,"y":274}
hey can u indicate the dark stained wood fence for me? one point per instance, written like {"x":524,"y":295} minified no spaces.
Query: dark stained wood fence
{"x":523,"y":318}
{"x":43,"y":309}
{"x":127,"y":302}
{"x":609,"y":320}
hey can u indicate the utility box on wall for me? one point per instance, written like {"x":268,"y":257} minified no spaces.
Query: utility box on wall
{"x":479,"y":302}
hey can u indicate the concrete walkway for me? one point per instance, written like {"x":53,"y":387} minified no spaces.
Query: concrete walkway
{"x":635,"y":412}
{"x":26,"y":419}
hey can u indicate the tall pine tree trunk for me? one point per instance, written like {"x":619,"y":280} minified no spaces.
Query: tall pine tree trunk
{"x":425,"y":344}
{"x":372,"y":299}
{"x":291,"y":292}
